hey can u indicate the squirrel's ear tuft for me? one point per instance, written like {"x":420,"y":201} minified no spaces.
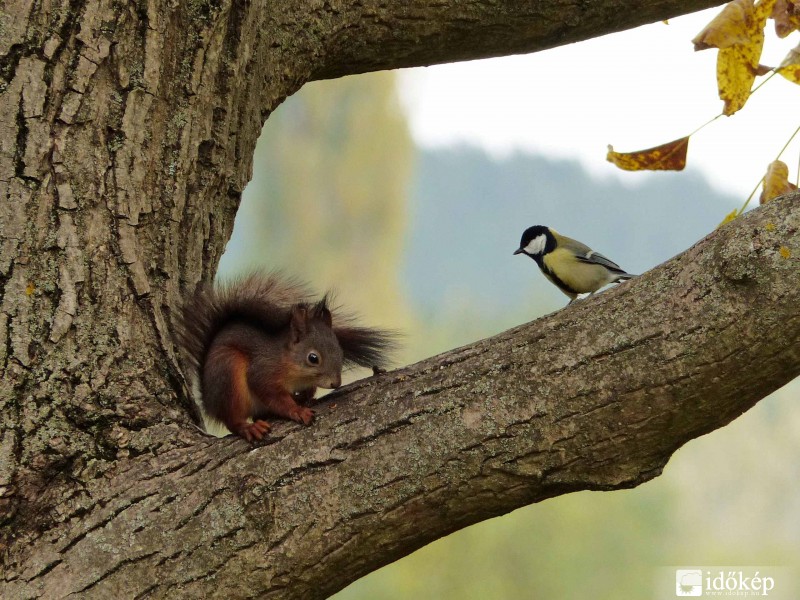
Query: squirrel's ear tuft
{"x":299,"y":323}
{"x":322,"y":312}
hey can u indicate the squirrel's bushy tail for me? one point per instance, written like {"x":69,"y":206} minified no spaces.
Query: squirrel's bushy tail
{"x":263,"y":300}
{"x":365,"y":346}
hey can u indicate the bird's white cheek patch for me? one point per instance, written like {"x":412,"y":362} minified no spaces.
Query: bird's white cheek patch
{"x":536,"y":245}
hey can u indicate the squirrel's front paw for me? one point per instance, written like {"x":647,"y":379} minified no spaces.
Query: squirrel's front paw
{"x":303,"y":415}
{"x":254,"y":430}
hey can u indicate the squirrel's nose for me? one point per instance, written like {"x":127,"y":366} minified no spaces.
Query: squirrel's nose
{"x":335,"y":383}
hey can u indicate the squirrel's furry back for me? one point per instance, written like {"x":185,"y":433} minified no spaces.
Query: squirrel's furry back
{"x":265,"y":300}
{"x":262,"y":300}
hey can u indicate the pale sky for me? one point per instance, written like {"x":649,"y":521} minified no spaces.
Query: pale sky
{"x":635,"y":89}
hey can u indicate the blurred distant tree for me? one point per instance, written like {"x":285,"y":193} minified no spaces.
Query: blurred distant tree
{"x":128,"y":135}
{"x":346,"y":142}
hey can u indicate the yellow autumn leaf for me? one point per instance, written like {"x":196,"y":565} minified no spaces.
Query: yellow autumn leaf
{"x":784,"y":252}
{"x":787,"y":17}
{"x":738,"y":32}
{"x":790,"y":67}
{"x":30,"y":288}
{"x":735,"y":77}
{"x":729,"y":27}
{"x":776,"y":182}
{"x":667,"y":157}
{"x":763,"y":10}
{"x":729,"y":217}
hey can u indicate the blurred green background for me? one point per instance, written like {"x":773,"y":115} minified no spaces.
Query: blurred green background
{"x":421,"y":240}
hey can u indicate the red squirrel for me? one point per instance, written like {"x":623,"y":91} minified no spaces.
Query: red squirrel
{"x":259,"y":344}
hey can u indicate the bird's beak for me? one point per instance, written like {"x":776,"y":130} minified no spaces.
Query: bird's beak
{"x":518,"y":251}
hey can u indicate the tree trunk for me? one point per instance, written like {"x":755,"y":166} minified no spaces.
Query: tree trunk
{"x":128,"y":134}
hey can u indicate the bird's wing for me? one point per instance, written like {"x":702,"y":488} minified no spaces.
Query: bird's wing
{"x":585,"y":254}
{"x":598,"y":259}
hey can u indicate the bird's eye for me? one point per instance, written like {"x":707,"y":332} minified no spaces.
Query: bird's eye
{"x":313,"y":358}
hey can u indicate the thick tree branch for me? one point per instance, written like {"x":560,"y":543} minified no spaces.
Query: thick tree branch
{"x":373,"y":35}
{"x":595,"y":396}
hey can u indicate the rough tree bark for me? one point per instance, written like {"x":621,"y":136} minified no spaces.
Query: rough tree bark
{"x":127,"y":136}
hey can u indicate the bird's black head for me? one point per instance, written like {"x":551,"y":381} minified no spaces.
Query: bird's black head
{"x":536,"y":241}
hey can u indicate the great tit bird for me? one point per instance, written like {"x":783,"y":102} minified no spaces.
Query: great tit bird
{"x":573,"y":267}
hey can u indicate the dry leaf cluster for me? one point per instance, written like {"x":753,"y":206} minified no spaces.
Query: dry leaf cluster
{"x":738,"y":33}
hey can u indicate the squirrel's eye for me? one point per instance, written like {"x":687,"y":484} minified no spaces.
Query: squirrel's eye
{"x":313,"y":358}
